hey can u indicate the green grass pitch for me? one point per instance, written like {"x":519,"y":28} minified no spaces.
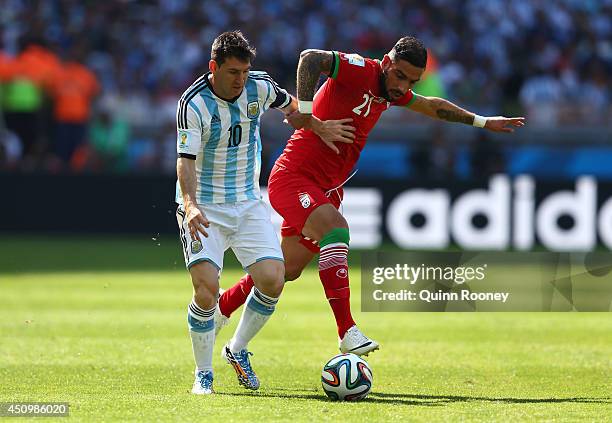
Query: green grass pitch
{"x":114,"y":344}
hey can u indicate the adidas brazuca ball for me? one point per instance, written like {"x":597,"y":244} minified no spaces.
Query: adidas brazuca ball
{"x":346,"y":377}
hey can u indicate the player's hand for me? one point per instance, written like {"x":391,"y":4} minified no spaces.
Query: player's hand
{"x":332,"y":131}
{"x":504,"y":124}
{"x":196,"y":222}
{"x":297,"y":120}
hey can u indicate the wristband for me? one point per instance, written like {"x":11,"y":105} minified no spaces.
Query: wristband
{"x":479,"y":121}
{"x":305,"y":107}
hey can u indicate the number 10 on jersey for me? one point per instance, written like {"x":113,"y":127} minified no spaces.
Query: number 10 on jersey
{"x":235,"y":136}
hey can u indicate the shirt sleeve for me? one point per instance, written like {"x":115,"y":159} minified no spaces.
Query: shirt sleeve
{"x":406,"y":100}
{"x":348,"y":69}
{"x":189,"y":130}
{"x":277,"y":97}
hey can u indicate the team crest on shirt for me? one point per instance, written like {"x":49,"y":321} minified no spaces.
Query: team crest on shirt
{"x":305,"y":200}
{"x":252,"y":109}
{"x":196,"y":246}
{"x":377,"y":99}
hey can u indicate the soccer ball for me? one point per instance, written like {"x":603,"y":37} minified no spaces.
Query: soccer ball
{"x":346,"y":377}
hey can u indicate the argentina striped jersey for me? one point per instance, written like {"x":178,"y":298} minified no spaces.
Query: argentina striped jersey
{"x":223,"y":137}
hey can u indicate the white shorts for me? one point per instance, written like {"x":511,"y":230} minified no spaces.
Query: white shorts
{"x":245,"y":227}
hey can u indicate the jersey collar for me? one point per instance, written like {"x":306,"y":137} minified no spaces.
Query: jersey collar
{"x":207,"y":76}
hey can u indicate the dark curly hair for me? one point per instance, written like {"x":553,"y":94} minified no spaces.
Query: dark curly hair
{"x":410,"y":49}
{"x":232,"y":44}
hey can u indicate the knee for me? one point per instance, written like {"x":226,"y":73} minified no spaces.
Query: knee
{"x":340,"y":222}
{"x":320,"y":224}
{"x":272,"y":280}
{"x":335,"y":221}
{"x":205,"y":291}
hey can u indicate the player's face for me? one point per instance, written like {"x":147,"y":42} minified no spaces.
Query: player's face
{"x":230,"y":77}
{"x":399,"y":77}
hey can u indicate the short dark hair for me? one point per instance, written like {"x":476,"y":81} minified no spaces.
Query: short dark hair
{"x":232,"y":44}
{"x":410,"y":49}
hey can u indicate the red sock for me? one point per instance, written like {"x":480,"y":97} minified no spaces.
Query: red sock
{"x":333,"y":271}
{"x":235,"y":296}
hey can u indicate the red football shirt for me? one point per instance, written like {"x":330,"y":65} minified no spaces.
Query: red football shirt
{"x":353,"y":90}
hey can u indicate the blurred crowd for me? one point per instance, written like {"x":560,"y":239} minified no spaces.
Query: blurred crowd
{"x":90,"y":86}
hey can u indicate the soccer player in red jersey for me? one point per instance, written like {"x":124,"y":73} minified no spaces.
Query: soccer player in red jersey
{"x":305,"y":185}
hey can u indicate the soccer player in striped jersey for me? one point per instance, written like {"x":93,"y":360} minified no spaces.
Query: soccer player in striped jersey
{"x":305,"y":185}
{"x":219,"y":202}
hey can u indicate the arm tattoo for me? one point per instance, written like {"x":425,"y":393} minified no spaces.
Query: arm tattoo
{"x":450,"y":112}
{"x":311,"y":64}
{"x":455,"y":116}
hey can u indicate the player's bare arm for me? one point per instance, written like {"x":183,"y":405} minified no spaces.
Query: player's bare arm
{"x":439,"y":108}
{"x":312,"y":64}
{"x":195,"y":218}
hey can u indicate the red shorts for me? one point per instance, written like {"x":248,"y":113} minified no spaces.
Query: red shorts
{"x":294,"y":196}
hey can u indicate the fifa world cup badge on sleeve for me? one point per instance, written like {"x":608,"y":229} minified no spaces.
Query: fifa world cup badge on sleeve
{"x":188,"y":141}
{"x":183,"y":140}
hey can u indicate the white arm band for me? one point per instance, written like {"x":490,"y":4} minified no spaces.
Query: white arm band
{"x":305,"y":107}
{"x":479,"y":121}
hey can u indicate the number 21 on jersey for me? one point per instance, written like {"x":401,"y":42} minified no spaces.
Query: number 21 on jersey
{"x":367,"y":101}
